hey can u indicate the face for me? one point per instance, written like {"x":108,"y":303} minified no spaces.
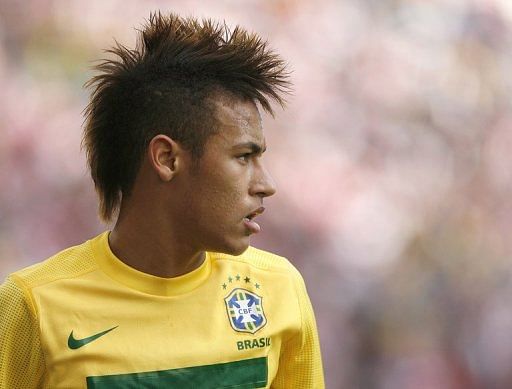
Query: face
{"x":226,"y":191}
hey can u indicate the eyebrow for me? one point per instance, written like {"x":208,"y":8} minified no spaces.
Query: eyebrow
{"x":255,"y":148}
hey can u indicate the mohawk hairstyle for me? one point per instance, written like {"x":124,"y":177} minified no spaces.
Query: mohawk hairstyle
{"x":162,"y":87}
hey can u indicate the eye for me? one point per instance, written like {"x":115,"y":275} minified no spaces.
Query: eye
{"x":244,"y":157}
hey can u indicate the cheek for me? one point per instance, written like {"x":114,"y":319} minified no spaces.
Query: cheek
{"x":223,"y":202}
{"x":223,"y":198}
{"x":218,"y":195}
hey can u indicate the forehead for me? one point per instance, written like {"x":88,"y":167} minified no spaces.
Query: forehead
{"x":237,"y":120}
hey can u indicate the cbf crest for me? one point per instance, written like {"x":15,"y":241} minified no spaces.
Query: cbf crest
{"x":245,"y":311}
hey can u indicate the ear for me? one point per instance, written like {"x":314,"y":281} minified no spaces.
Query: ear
{"x":165,"y":156}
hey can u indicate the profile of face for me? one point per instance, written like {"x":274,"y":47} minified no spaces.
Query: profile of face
{"x":226,"y":190}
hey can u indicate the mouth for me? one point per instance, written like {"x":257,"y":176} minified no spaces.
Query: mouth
{"x":251,"y":225}
{"x":255,"y":213}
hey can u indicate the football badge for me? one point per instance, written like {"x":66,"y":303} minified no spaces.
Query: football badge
{"x":245,"y":311}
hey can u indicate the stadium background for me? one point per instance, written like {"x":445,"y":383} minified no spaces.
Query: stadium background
{"x":392,"y":161}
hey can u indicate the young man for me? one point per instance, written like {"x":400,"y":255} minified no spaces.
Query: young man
{"x":173,"y":296}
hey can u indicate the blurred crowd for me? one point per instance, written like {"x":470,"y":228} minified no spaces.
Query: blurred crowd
{"x":392,"y":162}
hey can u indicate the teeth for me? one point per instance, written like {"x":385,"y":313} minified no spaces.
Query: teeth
{"x":254,"y":214}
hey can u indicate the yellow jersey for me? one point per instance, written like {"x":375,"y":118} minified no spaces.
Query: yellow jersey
{"x":84,"y":319}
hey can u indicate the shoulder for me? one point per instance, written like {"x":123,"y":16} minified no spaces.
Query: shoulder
{"x":68,"y":263}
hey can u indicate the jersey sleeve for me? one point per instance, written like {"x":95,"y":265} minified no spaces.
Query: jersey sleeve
{"x":21,"y":358}
{"x":300,"y":364}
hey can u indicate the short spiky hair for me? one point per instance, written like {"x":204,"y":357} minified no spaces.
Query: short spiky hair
{"x":162,"y":87}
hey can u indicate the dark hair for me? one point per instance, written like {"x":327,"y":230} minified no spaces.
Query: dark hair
{"x":162,"y":87}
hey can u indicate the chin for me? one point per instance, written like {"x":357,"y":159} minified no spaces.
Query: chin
{"x":239,"y":251}
{"x":234,"y":248}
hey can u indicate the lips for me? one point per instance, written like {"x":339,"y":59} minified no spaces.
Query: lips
{"x":250,"y":224}
{"x":255,"y":213}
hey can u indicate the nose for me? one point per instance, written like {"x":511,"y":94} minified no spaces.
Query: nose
{"x":263,"y":184}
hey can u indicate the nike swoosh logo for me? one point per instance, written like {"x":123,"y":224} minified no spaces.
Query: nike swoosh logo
{"x":73,"y":343}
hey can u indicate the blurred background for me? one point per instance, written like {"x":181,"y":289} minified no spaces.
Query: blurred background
{"x":393,"y":163}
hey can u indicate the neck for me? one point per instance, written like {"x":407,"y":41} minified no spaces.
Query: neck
{"x":152,"y":249}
